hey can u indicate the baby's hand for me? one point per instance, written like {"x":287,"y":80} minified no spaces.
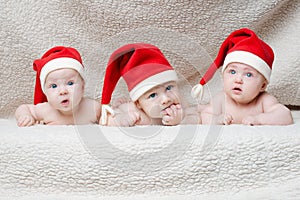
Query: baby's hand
{"x":227,"y":119}
{"x":172,"y":115}
{"x":127,"y":119}
{"x":119,"y":101}
{"x":250,"y":120}
{"x":25,"y":120}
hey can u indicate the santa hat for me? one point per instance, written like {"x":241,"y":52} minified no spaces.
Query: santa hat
{"x":241,"y":46}
{"x":142,"y":66}
{"x":58,"y":57}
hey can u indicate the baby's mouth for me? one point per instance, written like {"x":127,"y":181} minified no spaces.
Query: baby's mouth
{"x":237,"y":89}
{"x":163,"y":110}
{"x":65,"y":102}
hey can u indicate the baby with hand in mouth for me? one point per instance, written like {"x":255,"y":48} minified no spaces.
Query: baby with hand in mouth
{"x":152,"y":84}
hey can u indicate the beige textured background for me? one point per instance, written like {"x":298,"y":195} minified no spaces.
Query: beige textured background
{"x":188,"y":32}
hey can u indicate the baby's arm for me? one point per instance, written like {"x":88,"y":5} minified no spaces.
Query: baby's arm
{"x":126,"y":114}
{"x":209,"y":115}
{"x":94,"y":110}
{"x":191,"y":116}
{"x":25,"y":115}
{"x":213,"y":113}
{"x":119,"y":101}
{"x":274,"y":113}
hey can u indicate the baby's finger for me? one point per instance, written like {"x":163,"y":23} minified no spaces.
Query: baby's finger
{"x":227,"y":119}
{"x":248,"y":122}
{"x":166,"y":119}
{"x":21,"y":123}
{"x":30,"y":122}
{"x":178,"y":106}
{"x":133,"y":118}
{"x":168,"y":111}
{"x":173,"y":110}
{"x":25,"y":121}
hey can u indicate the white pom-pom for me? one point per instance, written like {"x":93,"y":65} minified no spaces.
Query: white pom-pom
{"x":197,"y":91}
{"x":104,"y":111}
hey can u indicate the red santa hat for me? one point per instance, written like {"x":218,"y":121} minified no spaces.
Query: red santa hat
{"x":58,"y":57}
{"x":241,"y":46}
{"x":142,"y":66}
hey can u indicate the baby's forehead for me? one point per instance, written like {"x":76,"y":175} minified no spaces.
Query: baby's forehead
{"x":169,"y":82}
{"x":62,"y":73}
{"x":163,"y":85}
{"x":241,"y":65}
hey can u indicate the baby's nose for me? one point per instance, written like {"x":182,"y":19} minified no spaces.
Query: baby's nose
{"x":63,"y":90}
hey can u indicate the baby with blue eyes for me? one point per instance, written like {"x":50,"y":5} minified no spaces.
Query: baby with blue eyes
{"x":59,"y":92}
{"x":158,"y":106}
{"x":155,"y":98}
{"x":161,"y":105}
{"x":246,"y":63}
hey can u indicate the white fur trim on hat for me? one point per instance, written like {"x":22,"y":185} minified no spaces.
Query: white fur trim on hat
{"x":152,"y":81}
{"x":250,"y":59}
{"x":104,"y":113}
{"x":60,"y":63}
{"x":197,"y":91}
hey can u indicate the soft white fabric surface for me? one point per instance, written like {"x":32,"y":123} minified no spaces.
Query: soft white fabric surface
{"x":180,"y":162}
{"x":188,"y":32}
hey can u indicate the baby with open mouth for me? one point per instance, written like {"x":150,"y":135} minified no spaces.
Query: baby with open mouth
{"x":246,"y":63}
{"x":59,"y":90}
{"x":65,"y":102}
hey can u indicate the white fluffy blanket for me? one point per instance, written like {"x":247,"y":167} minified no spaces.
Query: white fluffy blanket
{"x":182,"y":162}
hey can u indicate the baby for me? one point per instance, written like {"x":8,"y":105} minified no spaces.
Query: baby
{"x":59,"y":91}
{"x":247,"y":64}
{"x":152,"y":85}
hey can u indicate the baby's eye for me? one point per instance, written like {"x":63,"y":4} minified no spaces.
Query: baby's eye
{"x":232,"y":71}
{"x":169,"y":87}
{"x":152,"y":95}
{"x":70,"y":83}
{"x":249,"y":74}
{"x":53,"y":86}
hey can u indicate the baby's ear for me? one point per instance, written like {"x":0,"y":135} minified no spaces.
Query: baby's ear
{"x":137,"y":104}
{"x":83,"y":85}
{"x":264,"y":86}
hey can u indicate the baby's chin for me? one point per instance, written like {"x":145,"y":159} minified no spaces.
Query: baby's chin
{"x":65,"y":108}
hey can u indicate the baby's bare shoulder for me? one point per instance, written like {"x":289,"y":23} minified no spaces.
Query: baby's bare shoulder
{"x":42,"y":111}
{"x":218,"y":98}
{"x":43,"y":108}
{"x":90,"y":107}
{"x":86,"y":101}
{"x":267,"y":98}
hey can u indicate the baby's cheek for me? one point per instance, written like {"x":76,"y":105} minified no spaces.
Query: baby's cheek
{"x":176,"y":97}
{"x":155,"y":111}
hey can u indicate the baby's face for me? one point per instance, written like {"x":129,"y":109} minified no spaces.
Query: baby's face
{"x":242,"y":82}
{"x":157,"y":99}
{"x":64,"y":89}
